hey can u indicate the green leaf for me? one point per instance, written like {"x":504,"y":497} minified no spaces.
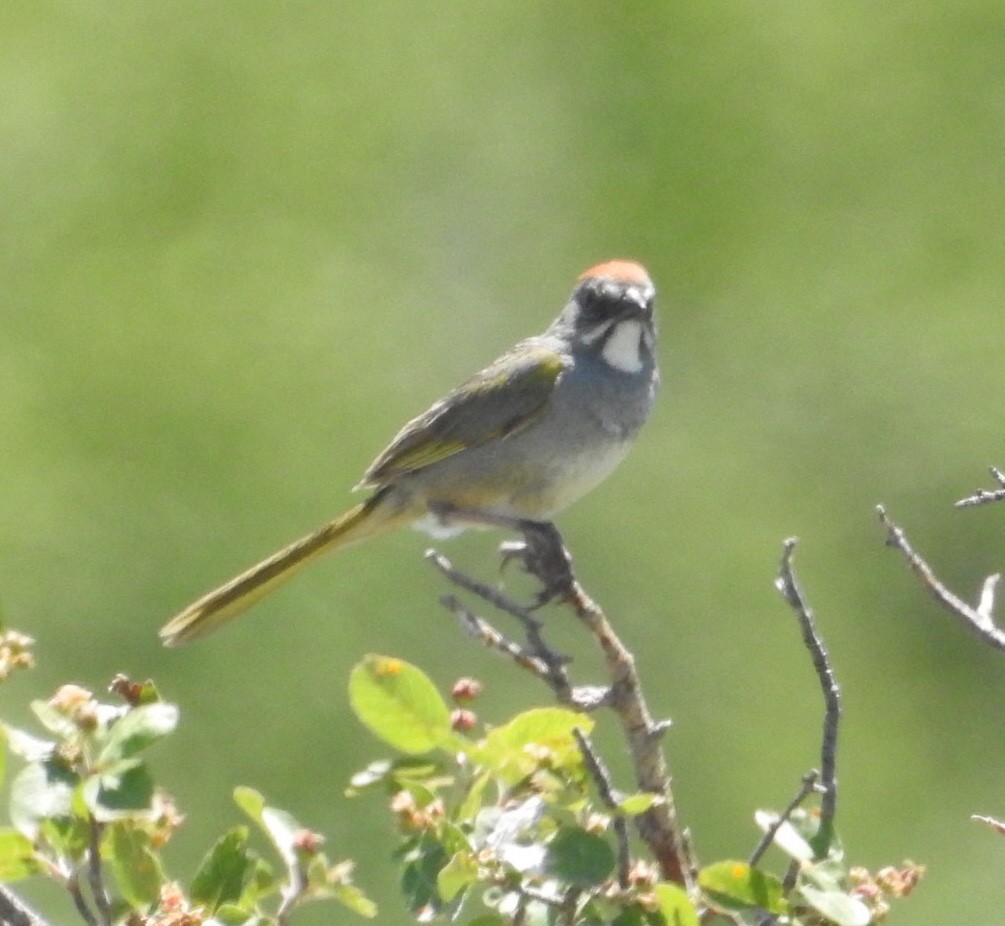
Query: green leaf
{"x":53,"y":720}
{"x":399,"y":704}
{"x":17,"y":856}
{"x":376,"y":774}
{"x":549,"y":728}
{"x":786,"y":837}
{"x":472,"y":802}
{"x":68,"y":836}
{"x":230,"y":914}
{"x":250,"y":801}
{"x":737,"y":886}
{"x":424,"y":859}
{"x":460,"y":872}
{"x":634,"y":916}
{"x":136,"y":867}
{"x":40,"y":791}
{"x":352,"y":897}
{"x":136,"y":730}
{"x":27,"y":747}
{"x":387,"y":773}
{"x":675,"y":906}
{"x":127,"y":791}
{"x":283,"y":830}
{"x":224,"y":871}
{"x":578,"y":857}
{"x":836,"y":906}
{"x":635,"y":804}
{"x":280,"y":826}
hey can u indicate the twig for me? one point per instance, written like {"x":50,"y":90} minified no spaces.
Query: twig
{"x":996,"y":825}
{"x":977,"y":619}
{"x":808,"y":785}
{"x":14,"y":911}
{"x":538,"y":657}
{"x":95,"y":876}
{"x":292,"y":893}
{"x":789,"y":588}
{"x":602,"y":778}
{"x":584,"y":698}
{"x":545,"y":556}
{"x":985,"y":496}
{"x":77,"y":895}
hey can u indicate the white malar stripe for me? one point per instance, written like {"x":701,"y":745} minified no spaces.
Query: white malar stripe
{"x":623,"y":347}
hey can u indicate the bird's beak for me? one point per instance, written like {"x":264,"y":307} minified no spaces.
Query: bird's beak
{"x":642,"y":298}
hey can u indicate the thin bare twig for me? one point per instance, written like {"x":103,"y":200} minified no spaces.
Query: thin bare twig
{"x":978,"y":619}
{"x":605,"y":788}
{"x":806,"y":787}
{"x":95,"y":875}
{"x":544,"y":555}
{"x":996,"y":825}
{"x":15,"y":912}
{"x":985,"y":496}
{"x":537,"y":656}
{"x":790,"y":591}
{"x":292,"y":894}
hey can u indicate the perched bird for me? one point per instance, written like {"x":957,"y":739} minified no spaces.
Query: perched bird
{"x":521,"y":439}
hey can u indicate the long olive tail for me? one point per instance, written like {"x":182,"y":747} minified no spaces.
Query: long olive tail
{"x":374,"y":516}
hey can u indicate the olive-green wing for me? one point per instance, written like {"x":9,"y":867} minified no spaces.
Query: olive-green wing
{"x":500,"y":400}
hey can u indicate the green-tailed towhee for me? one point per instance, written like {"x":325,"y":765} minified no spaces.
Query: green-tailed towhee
{"x":521,"y":439}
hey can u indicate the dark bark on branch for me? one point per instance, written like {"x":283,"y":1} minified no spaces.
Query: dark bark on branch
{"x":544,"y":555}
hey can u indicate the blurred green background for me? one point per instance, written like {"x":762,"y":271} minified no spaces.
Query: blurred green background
{"x":242,"y":243}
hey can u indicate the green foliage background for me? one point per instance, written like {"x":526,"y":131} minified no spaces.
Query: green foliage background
{"x":241,"y":243}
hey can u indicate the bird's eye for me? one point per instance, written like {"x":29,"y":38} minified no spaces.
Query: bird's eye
{"x":596,"y":302}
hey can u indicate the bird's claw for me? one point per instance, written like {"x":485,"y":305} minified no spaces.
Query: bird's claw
{"x":541,"y":554}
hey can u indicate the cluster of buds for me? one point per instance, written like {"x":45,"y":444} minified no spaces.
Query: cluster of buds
{"x":173,"y":910}
{"x":412,"y":817}
{"x":15,"y":652}
{"x":874,"y":889}
{"x":78,"y":705}
{"x":464,"y":691}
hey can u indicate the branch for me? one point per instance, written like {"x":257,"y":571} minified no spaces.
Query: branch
{"x":602,"y":777}
{"x":978,"y":619}
{"x":95,"y":875}
{"x":14,"y":912}
{"x":789,"y":588}
{"x":985,"y":496}
{"x":536,"y":657}
{"x":544,"y":556}
{"x":808,"y":785}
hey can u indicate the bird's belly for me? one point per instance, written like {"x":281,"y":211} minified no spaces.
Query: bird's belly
{"x":503,"y":480}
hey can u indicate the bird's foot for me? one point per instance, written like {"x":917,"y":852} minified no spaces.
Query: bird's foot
{"x":543,"y":555}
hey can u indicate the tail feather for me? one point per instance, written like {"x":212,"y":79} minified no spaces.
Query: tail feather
{"x":368,"y":519}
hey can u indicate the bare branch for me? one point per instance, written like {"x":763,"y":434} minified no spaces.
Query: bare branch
{"x":996,"y":825}
{"x":978,"y":619}
{"x":95,"y":875}
{"x":544,"y":555}
{"x":789,"y":588}
{"x":806,"y":787}
{"x":14,"y":912}
{"x":985,"y":496}
{"x":77,"y":895}
{"x":605,"y":788}
{"x":536,"y":657}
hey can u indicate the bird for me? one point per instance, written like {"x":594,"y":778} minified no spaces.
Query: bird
{"x":521,"y":439}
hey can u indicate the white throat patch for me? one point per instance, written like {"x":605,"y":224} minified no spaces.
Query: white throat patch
{"x":623,"y":348}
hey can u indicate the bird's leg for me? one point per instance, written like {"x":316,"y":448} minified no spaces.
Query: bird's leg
{"x":541,"y":552}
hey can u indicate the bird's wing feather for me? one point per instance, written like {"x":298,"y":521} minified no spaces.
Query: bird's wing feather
{"x":502,"y":399}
